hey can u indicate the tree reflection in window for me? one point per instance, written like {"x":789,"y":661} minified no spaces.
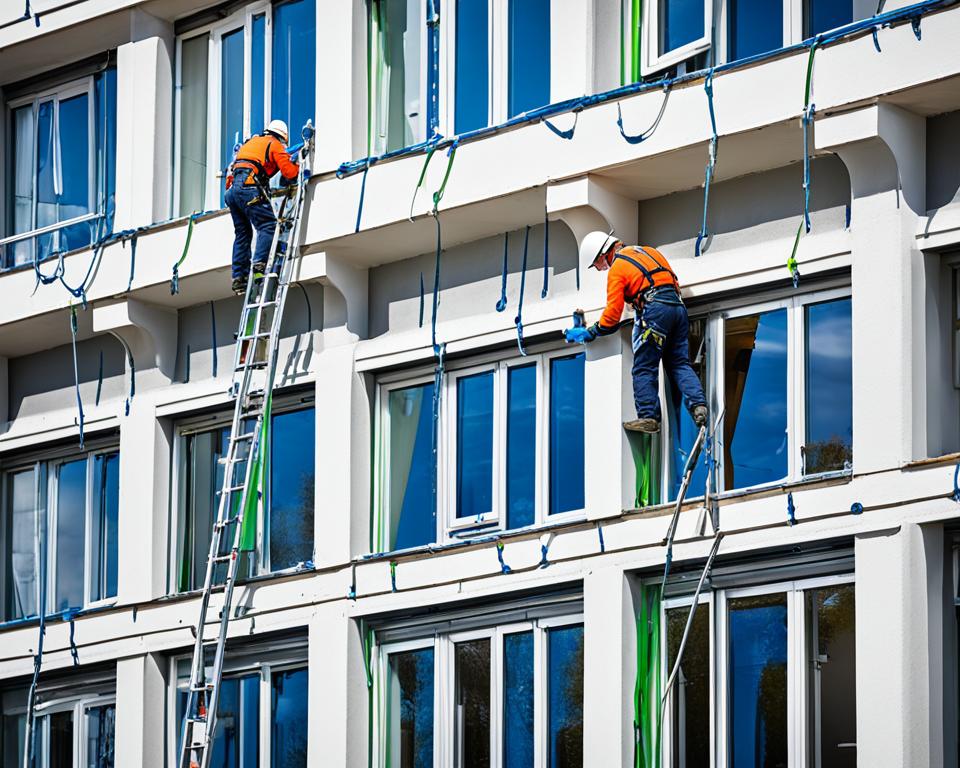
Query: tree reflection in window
{"x":409,"y":713}
{"x":690,"y":696}
{"x":565,"y":727}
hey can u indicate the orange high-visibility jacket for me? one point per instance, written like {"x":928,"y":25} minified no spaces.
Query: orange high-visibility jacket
{"x":265,"y":155}
{"x":634,"y":270}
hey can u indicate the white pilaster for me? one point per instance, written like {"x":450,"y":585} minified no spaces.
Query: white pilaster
{"x":141,"y":697}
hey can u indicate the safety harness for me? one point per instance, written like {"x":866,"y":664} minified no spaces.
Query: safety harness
{"x":637,"y":299}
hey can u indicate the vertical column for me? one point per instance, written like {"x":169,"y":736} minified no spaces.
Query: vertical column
{"x":4,"y":393}
{"x":140,"y":733}
{"x":144,"y":127}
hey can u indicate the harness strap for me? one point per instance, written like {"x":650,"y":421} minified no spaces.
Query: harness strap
{"x":647,"y":273}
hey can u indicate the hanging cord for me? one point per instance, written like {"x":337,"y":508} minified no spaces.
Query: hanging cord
{"x":133,"y":258}
{"x":567,"y":134}
{"x":363,"y":192}
{"x":76,"y":371}
{"x":523,"y":279}
{"x":791,"y":511}
{"x":175,"y":278}
{"x":74,"y":651}
{"x":213,"y":337}
{"x":451,"y":155}
{"x":504,"y":568}
{"x":603,"y":547}
{"x":431,"y":149}
{"x":420,"y":321}
{"x":704,"y":232}
{"x":644,"y":135}
{"x":546,"y":254}
{"x":439,"y":352}
{"x":502,"y":303}
{"x":393,"y":575}
{"x":956,"y":483}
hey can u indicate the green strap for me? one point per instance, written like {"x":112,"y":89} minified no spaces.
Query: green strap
{"x":636,"y":28}
{"x":792,"y":265}
{"x":258,"y":475}
{"x":645,"y":451}
{"x":423,"y":174}
{"x":646,"y":705}
{"x":438,"y":195}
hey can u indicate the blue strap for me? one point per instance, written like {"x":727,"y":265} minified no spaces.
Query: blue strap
{"x":876,"y":40}
{"x":504,"y":568}
{"x":523,"y":279}
{"x":352,"y":591}
{"x":915,"y":23}
{"x":543,"y":556}
{"x":70,"y":616}
{"x":856,"y":508}
{"x":213,"y":336}
{"x":791,"y":510}
{"x":848,"y":214}
{"x":363,"y":190}
{"x":133,"y":379}
{"x":76,"y":374}
{"x":393,"y":575}
{"x":567,"y":134}
{"x":99,"y":380}
{"x":133,"y":258}
{"x":603,"y":547}
{"x":644,"y":135}
{"x":704,"y":232}
{"x":420,"y":321}
{"x":546,"y":254}
{"x":807,"y":121}
{"x":956,"y":483}
{"x":502,"y":303}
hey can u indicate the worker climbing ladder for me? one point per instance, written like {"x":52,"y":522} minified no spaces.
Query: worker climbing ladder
{"x":254,"y":370}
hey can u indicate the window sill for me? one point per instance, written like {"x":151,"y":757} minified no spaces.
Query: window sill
{"x":60,"y":616}
{"x":307,"y":566}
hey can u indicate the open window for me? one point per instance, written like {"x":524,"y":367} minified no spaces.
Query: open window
{"x":674,"y":31}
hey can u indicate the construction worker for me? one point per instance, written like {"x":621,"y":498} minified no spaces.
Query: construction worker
{"x":248,"y":184}
{"x":641,"y":276}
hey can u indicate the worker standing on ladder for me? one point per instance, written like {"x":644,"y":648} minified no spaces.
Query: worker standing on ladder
{"x":642,"y":277}
{"x":248,"y":184}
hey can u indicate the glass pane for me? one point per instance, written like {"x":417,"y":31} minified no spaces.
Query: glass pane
{"x":756,"y":26}
{"x":758,"y":681}
{"x":472,"y":66}
{"x":683,"y":430}
{"x":74,"y":157}
{"x":475,"y":445}
{"x":828,"y":344}
{"x":193,"y":123}
{"x":294,"y":80}
{"x":832,"y":671}
{"x":529,"y":72}
{"x":409,"y":715}
{"x":105,"y":114}
{"x":71,"y":514}
{"x":23,"y":165}
{"x":202,"y":478}
{"x":288,"y":740}
{"x":412,"y":483}
{"x":106,"y":510}
{"x":822,"y":15}
{"x":690,"y":696}
{"x":61,"y":740}
{"x":231,"y":96}
{"x":567,"y":452}
{"x":518,"y":700}
{"x":291,"y":488}
{"x":565,"y":713}
{"x":258,"y":66}
{"x":100,"y":729}
{"x":472,"y":704}
{"x":755,"y":390}
{"x":14,"y":730}
{"x":521,"y":445}
{"x":46,"y":187}
{"x":236,"y":742}
{"x":681,"y":22}
{"x":21,"y":549}
{"x":401,"y":120}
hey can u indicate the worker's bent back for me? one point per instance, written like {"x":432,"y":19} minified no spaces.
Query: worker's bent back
{"x":265,"y":155}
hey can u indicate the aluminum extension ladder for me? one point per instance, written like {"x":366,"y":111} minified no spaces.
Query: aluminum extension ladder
{"x":254,"y":369}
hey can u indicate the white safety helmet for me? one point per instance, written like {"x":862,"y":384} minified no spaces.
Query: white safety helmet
{"x":594,"y":244}
{"x":279,"y":129}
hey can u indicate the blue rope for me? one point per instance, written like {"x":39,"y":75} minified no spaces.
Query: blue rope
{"x":791,"y":510}
{"x":523,"y":279}
{"x":133,"y":380}
{"x":133,"y":258}
{"x":915,"y":23}
{"x":76,"y":373}
{"x":213,"y":332}
{"x":644,"y":135}
{"x":420,"y":321}
{"x":502,"y":303}
{"x":504,"y":568}
{"x":393,"y":576}
{"x":543,"y":556}
{"x":99,"y":379}
{"x":363,"y":190}
{"x":603,"y":547}
{"x":74,"y":652}
{"x":704,"y":232}
{"x":546,"y":254}
{"x":807,"y":121}
{"x":567,"y":134}
{"x":956,"y":483}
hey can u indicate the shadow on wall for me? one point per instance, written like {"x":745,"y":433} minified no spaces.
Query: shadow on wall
{"x":943,"y":160}
{"x":470,"y":279}
{"x":748,"y":210}
{"x":43,"y":381}
{"x":204,"y":328}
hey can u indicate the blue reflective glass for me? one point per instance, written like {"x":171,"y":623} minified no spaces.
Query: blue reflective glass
{"x":683,"y":432}
{"x":567,"y":453}
{"x":758,"y":681}
{"x":472,"y":66}
{"x":565,"y":707}
{"x":101,"y":723}
{"x":409,"y":708}
{"x":681,"y":22}
{"x":518,"y":700}
{"x":829,"y":386}
{"x":236,"y":742}
{"x":521,"y":445}
{"x":294,"y":80}
{"x":412,"y":481}
{"x":475,"y":445}
{"x":105,"y":96}
{"x":231,"y":95}
{"x":288,"y":742}
{"x":822,"y":15}
{"x":258,"y":67}
{"x":71,"y":527}
{"x":74,"y":199}
{"x":756,"y":26}
{"x":290,"y":521}
{"x":529,"y":65}
{"x":106,"y":501}
{"x":755,"y":391}
{"x":46,"y":186}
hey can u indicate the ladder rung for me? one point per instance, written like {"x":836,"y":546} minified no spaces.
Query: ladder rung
{"x":243,"y":436}
{"x":228,"y":521}
{"x":223,"y":558}
{"x":254,"y":305}
{"x":232,"y":489}
{"x":253,"y":364}
{"x":205,"y":688}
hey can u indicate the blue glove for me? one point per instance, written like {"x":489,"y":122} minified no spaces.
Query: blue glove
{"x":306,"y":174}
{"x":580,"y":335}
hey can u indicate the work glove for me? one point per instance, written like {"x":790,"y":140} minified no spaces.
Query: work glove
{"x":580,"y":334}
{"x":306,"y":174}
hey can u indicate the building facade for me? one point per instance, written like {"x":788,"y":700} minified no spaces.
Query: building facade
{"x":460,"y":553}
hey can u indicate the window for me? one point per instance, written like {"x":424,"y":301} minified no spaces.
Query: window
{"x":782,"y":373}
{"x":673,"y":31}
{"x":63,"y":161}
{"x":285,"y":539}
{"x":71,"y":506}
{"x":71,"y":729}
{"x":262,"y":710}
{"x":498,"y":60}
{"x":256,"y":65}
{"x":511,"y":450}
{"x":767,"y":652}
{"x":509,"y":695}
{"x":821,"y":15}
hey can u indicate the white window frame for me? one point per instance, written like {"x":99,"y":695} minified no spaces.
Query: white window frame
{"x":70,"y":89}
{"x":281,"y":657}
{"x":444,"y":683}
{"x":240,"y":19}
{"x":651,"y":59}
{"x":798,"y":694}
{"x":449,"y":526}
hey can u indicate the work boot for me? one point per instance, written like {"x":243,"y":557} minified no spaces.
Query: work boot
{"x":700,"y":415}
{"x":239,"y":285}
{"x":259,"y":268}
{"x":650,"y":426}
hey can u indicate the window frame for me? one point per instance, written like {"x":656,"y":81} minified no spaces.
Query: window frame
{"x":652,"y":60}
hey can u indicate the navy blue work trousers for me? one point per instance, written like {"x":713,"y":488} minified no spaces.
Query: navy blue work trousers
{"x":249,"y":210}
{"x":661,"y":332}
